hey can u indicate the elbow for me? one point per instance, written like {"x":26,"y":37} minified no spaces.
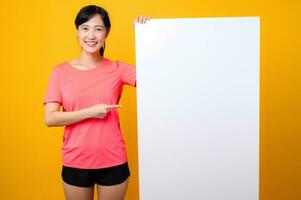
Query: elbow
{"x":48,"y":121}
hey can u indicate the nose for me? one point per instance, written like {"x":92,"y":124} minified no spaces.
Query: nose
{"x":91,"y":34}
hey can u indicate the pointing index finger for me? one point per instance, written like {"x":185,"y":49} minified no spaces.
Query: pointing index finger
{"x":113,"y":106}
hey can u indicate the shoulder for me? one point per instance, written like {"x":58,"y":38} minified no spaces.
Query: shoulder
{"x":116,"y":62}
{"x":74,"y":62}
{"x":59,"y":68}
{"x":123,"y":65}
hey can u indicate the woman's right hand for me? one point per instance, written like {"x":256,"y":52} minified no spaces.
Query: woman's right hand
{"x":100,"y":110}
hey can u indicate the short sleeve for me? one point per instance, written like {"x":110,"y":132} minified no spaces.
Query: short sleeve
{"x":53,"y":92}
{"x":128,"y":73}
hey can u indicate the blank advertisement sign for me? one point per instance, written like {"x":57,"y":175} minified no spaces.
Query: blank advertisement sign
{"x":198,"y":108}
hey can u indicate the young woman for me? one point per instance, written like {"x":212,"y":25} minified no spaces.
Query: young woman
{"x":89,"y":88}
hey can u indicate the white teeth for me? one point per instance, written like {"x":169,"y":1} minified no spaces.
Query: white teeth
{"x":91,"y":42}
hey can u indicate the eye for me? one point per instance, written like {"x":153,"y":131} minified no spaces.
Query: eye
{"x":84,"y":28}
{"x":99,"y":29}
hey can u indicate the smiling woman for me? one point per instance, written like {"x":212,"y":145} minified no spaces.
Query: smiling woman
{"x":89,"y":88}
{"x":92,"y":29}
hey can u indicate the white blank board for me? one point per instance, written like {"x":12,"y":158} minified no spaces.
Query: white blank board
{"x":198,"y":108}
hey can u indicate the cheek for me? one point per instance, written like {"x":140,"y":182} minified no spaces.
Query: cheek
{"x":81,"y":38}
{"x":101,"y":36}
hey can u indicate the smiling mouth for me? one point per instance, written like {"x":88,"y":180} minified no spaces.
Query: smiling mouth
{"x":90,"y":43}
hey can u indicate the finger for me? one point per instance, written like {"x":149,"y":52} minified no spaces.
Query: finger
{"x":113,"y":106}
{"x":140,"y":19}
{"x":137,"y":20}
{"x":102,"y":115}
{"x":144,"y":19}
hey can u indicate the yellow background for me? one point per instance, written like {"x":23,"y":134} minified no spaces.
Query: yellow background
{"x":37,"y":35}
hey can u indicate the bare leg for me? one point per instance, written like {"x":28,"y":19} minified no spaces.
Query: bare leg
{"x":114,"y":192}
{"x":78,"y":193}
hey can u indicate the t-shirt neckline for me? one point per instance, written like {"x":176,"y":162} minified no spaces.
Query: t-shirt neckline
{"x":98,"y":65}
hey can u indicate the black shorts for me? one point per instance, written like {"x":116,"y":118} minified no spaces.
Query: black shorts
{"x":88,"y":177}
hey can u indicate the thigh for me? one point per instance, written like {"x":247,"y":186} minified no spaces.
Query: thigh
{"x":78,"y":193}
{"x":112,"y":182}
{"x":113,"y":192}
{"x":78,"y":183}
{"x":112,"y":175}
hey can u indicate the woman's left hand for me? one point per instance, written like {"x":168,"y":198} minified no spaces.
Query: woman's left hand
{"x":141,"y":20}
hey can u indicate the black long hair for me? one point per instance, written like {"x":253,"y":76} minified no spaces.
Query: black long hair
{"x":87,"y":13}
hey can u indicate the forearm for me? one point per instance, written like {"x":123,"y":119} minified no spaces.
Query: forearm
{"x":58,"y":118}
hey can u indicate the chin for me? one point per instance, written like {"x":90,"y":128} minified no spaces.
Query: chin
{"x":92,"y":51}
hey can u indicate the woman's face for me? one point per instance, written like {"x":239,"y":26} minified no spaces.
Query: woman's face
{"x":92,"y":34}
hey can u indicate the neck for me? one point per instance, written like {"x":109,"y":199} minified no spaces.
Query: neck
{"x":90,"y":59}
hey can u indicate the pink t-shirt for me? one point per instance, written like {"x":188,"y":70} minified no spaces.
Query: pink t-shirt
{"x":91,"y":143}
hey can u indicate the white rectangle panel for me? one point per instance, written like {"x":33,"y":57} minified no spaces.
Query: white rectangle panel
{"x":198,"y":108}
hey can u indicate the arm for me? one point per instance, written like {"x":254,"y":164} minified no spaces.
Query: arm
{"x":53,"y":116}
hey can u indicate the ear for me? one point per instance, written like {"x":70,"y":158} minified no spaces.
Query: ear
{"x":76,"y":32}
